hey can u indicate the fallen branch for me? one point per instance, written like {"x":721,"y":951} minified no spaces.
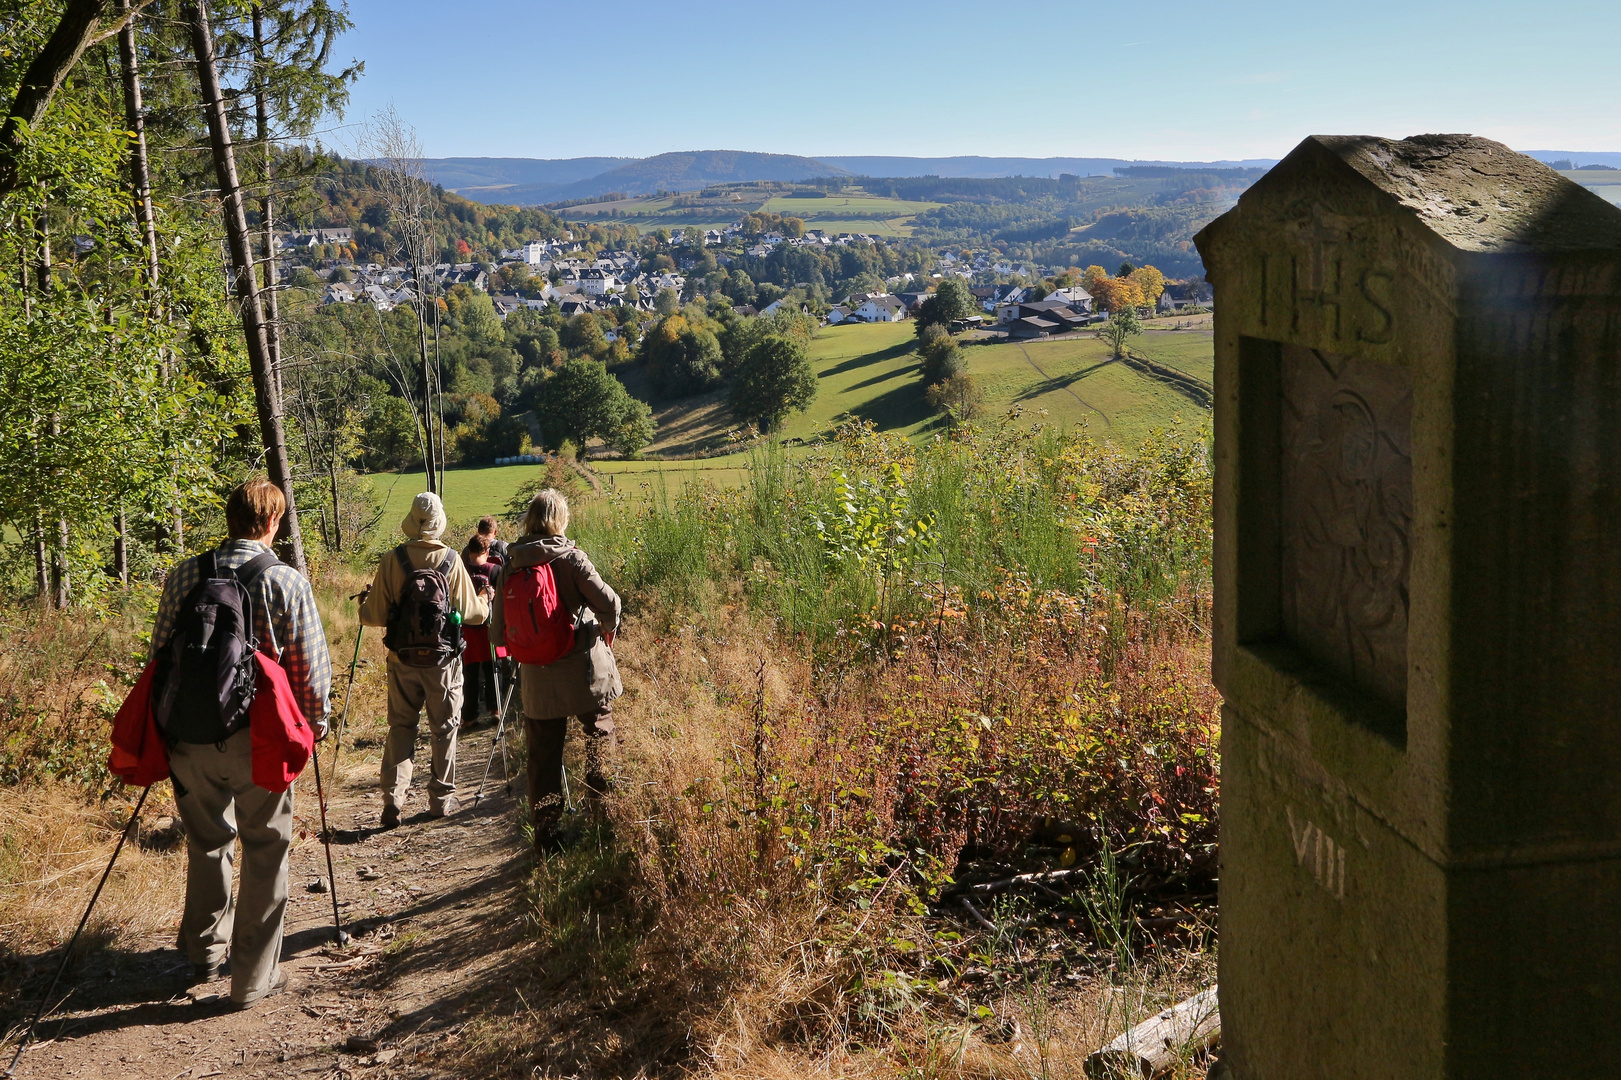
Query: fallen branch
{"x":1154,"y":1046}
{"x":1038,"y":879}
{"x":977,"y":915}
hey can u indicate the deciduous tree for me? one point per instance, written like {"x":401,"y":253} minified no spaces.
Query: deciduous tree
{"x":774,"y":380}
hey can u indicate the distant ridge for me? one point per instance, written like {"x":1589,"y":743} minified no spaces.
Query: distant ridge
{"x":973,"y":167}
{"x":1577,"y":157}
{"x":534,"y":181}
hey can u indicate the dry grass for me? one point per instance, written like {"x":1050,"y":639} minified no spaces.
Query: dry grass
{"x":767,"y":901}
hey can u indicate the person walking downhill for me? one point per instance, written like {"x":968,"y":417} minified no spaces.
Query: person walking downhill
{"x":423,"y":595}
{"x":557,"y":618}
{"x":490,"y":529}
{"x":478,"y":663}
{"x":210,"y":750}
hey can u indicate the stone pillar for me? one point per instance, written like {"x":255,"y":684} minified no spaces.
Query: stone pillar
{"x":1418,"y":615}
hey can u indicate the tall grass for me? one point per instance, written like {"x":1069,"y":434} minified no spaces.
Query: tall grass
{"x":871,"y":675}
{"x":865,"y":525}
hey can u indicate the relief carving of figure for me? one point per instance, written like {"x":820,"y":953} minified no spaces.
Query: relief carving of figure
{"x":1347,"y":516}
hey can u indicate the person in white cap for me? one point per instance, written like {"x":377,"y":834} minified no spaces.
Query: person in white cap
{"x":423,"y":596}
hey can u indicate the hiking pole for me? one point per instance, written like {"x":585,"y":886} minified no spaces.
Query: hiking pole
{"x":349,"y":692}
{"x":500,"y":728}
{"x":67,"y":954}
{"x":326,"y":838}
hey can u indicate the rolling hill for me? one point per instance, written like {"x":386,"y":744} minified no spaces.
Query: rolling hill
{"x":526,"y":182}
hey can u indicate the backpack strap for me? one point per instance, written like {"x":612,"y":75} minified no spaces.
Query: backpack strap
{"x":207,"y":565}
{"x":249,"y":571}
{"x":404,"y":558}
{"x":449,"y":564}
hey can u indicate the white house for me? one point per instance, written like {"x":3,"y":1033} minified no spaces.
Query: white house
{"x":596,"y":282}
{"x":883,"y":308}
{"x":1075,"y":296}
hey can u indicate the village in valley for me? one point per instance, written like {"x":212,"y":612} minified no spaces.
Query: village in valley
{"x":564,"y":273}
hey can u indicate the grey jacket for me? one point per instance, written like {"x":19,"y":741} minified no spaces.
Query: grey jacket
{"x":587,"y":679}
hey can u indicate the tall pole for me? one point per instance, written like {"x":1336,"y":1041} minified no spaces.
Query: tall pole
{"x":267,"y":199}
{"x":247,"y":287}
{"x":172,"y":533}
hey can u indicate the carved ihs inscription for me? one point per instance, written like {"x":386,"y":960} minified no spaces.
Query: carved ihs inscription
{"x":1346,"y":516}
{"x":1318,"y":852}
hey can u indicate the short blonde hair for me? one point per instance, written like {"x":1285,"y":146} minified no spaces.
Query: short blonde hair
{"x":548,"y":514}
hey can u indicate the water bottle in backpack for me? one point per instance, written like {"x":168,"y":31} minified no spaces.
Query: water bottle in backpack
{"x":423,"y":628}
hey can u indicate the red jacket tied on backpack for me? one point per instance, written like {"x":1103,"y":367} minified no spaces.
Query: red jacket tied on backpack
{"x":282,"y":739}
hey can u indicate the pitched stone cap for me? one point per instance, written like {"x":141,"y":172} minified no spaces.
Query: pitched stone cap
{"x":1479,"y":195}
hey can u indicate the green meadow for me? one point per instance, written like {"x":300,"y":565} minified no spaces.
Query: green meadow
{"x":870,"y":372}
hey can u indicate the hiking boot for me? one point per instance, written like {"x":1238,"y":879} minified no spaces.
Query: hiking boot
{"x":448,"y":806}
{"x":278,"y":983}
{"x":203,"y":974}
{"x":391,"y":817}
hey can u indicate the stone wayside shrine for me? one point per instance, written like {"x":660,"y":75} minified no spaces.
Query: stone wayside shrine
{"x":1418,"y":615}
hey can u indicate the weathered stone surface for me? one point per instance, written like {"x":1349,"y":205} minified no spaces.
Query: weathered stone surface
{"x":1418,"y":614}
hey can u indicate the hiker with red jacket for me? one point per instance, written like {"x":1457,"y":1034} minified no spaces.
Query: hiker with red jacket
{"x":209,"y":746}
{"x":423,"y":595}
{"x":556,"y":616}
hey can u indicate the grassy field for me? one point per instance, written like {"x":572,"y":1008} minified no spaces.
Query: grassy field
{"x":871,"y":372}
{"x":853,"y":213}
{"x":1605,"y":183}
{"x":1192,"y":351}
{"x":845,"y":212}
{"x":473,"y":492}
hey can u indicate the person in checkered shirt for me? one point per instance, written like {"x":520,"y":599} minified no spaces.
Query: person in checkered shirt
{"x":213,"y":782}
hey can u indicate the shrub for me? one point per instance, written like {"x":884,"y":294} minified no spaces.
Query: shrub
{"x":958,"y":396}
{"x":941,"y":356}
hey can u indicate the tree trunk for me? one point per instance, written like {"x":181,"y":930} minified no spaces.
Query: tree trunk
{"x":253,"y":325}
{"x":169,"y":534}
{"x":60,"y":585}
{"x":42,"y":568}
{"x":140,"y":173}
{"x":430,"y":457}
{"x":337,"y":519}
{"x":267,"y":201}
{"x":59,"y":553}
{"x":121,"y":550}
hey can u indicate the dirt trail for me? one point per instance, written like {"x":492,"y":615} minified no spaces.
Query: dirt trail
{"x":430,"y":907}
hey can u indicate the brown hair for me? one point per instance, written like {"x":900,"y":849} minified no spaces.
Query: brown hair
{"x":478,"y":545}
{"x":251,"y":506}
{"x":486,"y":525}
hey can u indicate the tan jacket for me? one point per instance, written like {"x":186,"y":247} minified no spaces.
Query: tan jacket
{"x":587,"y":679}
{"x":390,"y":577}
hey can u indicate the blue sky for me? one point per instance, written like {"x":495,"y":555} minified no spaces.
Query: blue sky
{"x":1168,"y":80}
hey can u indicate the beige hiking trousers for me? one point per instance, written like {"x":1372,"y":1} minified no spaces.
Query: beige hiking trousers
{"x":412,"y":690}
{"x":220,"y":804}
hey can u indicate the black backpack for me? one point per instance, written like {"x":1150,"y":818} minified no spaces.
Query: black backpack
{"x":208,"y":674}
{"x":421,"y":629}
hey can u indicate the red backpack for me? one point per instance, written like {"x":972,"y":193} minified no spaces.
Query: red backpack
{"x":539,"y":629}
